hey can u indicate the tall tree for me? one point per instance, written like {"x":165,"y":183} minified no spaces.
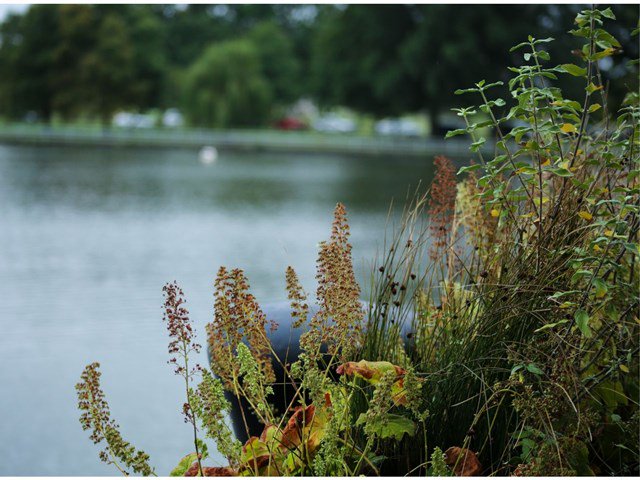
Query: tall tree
{"x":27,"y":58}
{"x":356,"y":58}
{"x":107,"y":71}
{"x":278,"y":61}
{"x":226,"y":88}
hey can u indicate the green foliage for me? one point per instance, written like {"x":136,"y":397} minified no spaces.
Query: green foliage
{"x":438,"y":467}
{"x":97,"y":418}
{"x":226,"y":87}
{"x":503,"y":314}
{"x":211,"y":407}
{"x":184,"y":465}
{"x":280,"y":66}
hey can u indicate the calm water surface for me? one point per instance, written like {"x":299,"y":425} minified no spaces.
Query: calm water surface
{"x":88,"y":237}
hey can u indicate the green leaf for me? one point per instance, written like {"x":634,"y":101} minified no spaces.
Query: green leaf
{"x":582,"y":321}
{"x":544,"y":55}
{"x":595,"y":107}
{"x":601,"y":287}
{"x":561,"y":172}
{"x":550,"y":325}
{"x":184,"y":465}
{"x":607,"y":13}
{"x":520,"y":45}
{"x":453,"y":133}
{"x":574,"y":70}
{"x":475,"y":146}
{"x":534,"y":369}
{"x":460,"y":91}
{"x":393,"y":426}
{"x":469,"y":168}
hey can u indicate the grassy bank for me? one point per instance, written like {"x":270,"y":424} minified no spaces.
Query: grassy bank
{"x":236,"y":140}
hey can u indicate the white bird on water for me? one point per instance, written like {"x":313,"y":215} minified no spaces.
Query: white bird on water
{"x":208,"y":155}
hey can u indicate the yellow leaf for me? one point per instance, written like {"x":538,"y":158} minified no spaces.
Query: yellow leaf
{"x":624,"y":368}
{"x":608,"y":233}
{"x":546,"y":163}
{"x":527,"y":215}
{"x":596,"y":248}
{"x":595,"y":107}
{"x":495,"y":212}
{"x":585,"y":215}
{"x":568,"y":128}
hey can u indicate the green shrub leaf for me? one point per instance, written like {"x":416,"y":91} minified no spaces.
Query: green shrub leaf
{"x":393,"y":426}
{"x":184,"y":465}
{"x":582,"y":321}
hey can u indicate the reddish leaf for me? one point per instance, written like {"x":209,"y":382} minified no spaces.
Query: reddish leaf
{"x":464,"y":462}
{"x":194,"y":471}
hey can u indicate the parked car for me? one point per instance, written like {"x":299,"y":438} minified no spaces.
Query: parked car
{"x":172,"y":118}
{"x":290,"y":123}
{"x":133,"y":120}
{"x":334,"y":124}
{"x":398,"y":127}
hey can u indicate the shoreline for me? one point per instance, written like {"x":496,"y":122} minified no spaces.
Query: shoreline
{"x":273,"y":141}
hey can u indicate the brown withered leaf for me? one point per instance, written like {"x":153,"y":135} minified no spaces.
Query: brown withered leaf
{"x":210,"y":471}
{"x":464,"y":462}
{"x":300,"y":418}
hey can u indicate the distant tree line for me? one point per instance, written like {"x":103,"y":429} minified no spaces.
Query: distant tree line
{"x":242,"y":65}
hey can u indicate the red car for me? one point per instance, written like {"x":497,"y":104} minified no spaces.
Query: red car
{"x":290,"y":123}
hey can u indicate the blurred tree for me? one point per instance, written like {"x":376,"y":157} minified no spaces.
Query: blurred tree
{"x":384,"y":59}
{"x":279,"y":64}
{"x":148,"y":37}
{"x":77,"y":26}
{"x":107,"y":71}
{"x":27,"y":60}
{"x":226,"y":88}
{"x":454,"y":46}
{"x":356,"y":59}
{"x":190,"y":29}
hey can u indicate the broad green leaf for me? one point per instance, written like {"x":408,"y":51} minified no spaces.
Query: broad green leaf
{"x":475,"y":146}
{"x":607,"y":13}
{"x":595,"y":107}
{"x":534,"y":369}
{"x":184,"y":465}
{"x":520,"y":45}
{"x":453,"y":133}
{"x":574,"y":70}
{"x":582,"y":321}
{"x":561,"y":172}
{"x":393,"y":426}
{"x":601,"y":287}
{"x":469,"y":168}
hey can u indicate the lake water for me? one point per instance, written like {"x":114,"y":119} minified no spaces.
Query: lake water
{"x":88,"y":237}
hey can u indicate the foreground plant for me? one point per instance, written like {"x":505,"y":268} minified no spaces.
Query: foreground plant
{"x":501,"y":336}
{"x":525,"y":323}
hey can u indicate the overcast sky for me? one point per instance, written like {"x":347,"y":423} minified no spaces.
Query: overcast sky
{"x":6,"y":9}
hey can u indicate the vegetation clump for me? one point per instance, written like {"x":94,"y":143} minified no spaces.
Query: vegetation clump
{"x":501,"y":335}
